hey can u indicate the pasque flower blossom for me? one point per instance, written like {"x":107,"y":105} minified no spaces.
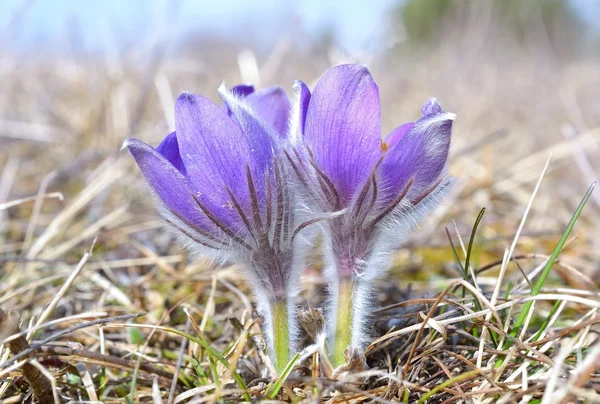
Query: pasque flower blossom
{"x":380,"y":188}
{"x":221,"y":184}
{"x":241,"y":182}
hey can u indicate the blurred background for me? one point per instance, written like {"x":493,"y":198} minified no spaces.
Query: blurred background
{"x":77,"y":78}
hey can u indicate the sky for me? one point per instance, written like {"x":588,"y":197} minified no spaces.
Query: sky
{"x":355,"y":23}
{"x":49,"y":21}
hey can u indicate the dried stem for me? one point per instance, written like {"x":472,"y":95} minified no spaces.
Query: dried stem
{"x":42,"y":388}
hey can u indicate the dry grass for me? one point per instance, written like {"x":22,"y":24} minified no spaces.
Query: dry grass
{"x":104,"y":306}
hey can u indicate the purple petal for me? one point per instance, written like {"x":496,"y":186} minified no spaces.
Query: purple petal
{"x":431,"y":107}
{"x":215,"y":153}
{"x":260,"y":138}
{"x":397,"y":134}
{"x":168,"y":183}
{"x":302,"y":106}
{"x":240,"y":91}
{"x":273,"y":106}
{"x":170,"y":150}
{"x":343,"y":127}
{"x":421,"y":154}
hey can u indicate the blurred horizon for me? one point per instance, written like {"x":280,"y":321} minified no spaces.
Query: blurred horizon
{"x":261,"y":22}
{"x":90,"y":27}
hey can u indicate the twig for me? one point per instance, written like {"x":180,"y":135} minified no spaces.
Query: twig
{"x":41,"y":386}
{"x":34,"y":347}
{"x":106,"y":360}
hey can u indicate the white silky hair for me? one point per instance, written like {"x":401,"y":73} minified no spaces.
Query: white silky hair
{"x":239,"y":106}
{"x":333,"y":283}
{"x":233,"y":252}
{"x":389,"y":234}
{"x":394,"y":230}
{"x":294,"y":133}
{"x":435,"y":146}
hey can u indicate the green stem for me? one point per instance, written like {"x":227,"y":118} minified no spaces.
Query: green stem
{"x":343,"y":325}
{"x":281,"y":334}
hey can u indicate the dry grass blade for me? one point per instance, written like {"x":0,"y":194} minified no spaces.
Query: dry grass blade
{"x":62,"y":291}
{"x":17,"y":202}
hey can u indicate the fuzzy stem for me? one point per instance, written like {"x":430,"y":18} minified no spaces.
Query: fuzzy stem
{"x":343,"y":326}
{"x":281,"y":334}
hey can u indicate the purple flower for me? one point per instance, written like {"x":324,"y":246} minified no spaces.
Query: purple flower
{"x":221,"y":185}
{"x":271,"y":104}
{"x":381,"y":189}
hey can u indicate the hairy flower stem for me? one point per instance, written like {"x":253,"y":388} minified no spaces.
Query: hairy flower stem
{"x":281,"y":334}
{"x":343,"y":325}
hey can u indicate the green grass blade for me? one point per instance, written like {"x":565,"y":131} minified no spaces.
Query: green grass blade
{"x":214,"y":372}
{"x":471,"y":241}
{"x":211,"y":352}
{"x":215,"y":355}
{"x":460,"y":265}
{"x":198,"y":368}
{"x":546,"y":271}
{"x":274,"y":389}
{"x":468,"y":262}
{"x":547,"y":321}
{"x":458,"y":261}
{"x":459,"y":378}
{"x":132,"y":391}
{"x":473,"y":279}
{"x":405,"y":396}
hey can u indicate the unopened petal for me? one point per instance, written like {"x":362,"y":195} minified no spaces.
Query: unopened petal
{"x":343,"y":127}
{"x":168,"y":184}
{"x":240,"y":91}
{"x":260,"y":138}
{"x":421,"y":154}
{"x":431,"y":107}
{"x":273,"y":106}
{"x":170,"y":150}
{"x":397,"y":134}
{"x":303,"y":94}
{"x":215,"y":153}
